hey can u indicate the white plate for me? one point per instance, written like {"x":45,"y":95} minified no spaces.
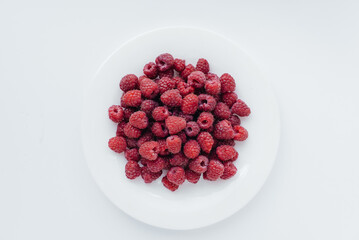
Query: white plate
{"x":193,"y":205}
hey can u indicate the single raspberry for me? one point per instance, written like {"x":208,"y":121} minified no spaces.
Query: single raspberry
{"x":229,"y":170}
{"x":132,"y":169}
{"x":229,"y":142}
{"x":117,"y":144}
{"x":132,"y":154}
{"x":225,"y":152}
{"x":202,"y":65}
{"x":174,"y":144}
{"x":223,"y":130}
{"x":212,"y":87}
{"x":115,"y":113}
{"x":168,"y":73}
{"x":146,"y":137}
{"x":144,"y":161}
{"x":149,"y":176}
{"x":172,"y":98}
{"x":164,"y":62}
{"x":148,"y":105}
{"x":191,"y":149}
{"x":189,"y":104}
{"x":127,"y":112}
{"x":165,"y":84}
{"x":191,"y":176}
{"x":196,"y":79}
{"x":179,"y":160}
{"x":182,"y":136}
{"x":131,"y":131}
{"x":233,"y":158}
{"x":139,"y":120}
{"x":156,"y":165}
{"x":140,"y":78}
{"x":119,"y":131}
{"x":212,"y":77}
{"x":227,"y":83}
{"x":179,"y":65}
{"x":206,"y":103}
{"x":184,"y":88}
{"x":149,"y":150}
{"x":192,"y":129}
{"x":150,"y":70}
{"x":241,"y":109}
{"x":199,"y":164}
{"x":221,"y":111}
{"x":235,"y":120}
{"x":160,"y":113}
{"x":149,"y":88}
{"x":205,"y":120}
{"x":171,"y":186}
{"x":129,"y":82}
{"x":229,"y":98}
{"x":159,"y":129}
{"x":176,"y":175}
{"x":132,"y":98}
{"x":178,"y":79}
{"x":131,"y":143}
{"x":163,"y":147}
{"x":241,"y":133}
{"x":205,"y":141}
{"x":175,"y":124}
{"x":187,"y":71}
{"x":214,"y":171}
{"x":187,"y":117}
{"x":167,"y":163}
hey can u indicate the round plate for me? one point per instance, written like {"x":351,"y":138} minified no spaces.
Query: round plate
{"x":192,"y":205}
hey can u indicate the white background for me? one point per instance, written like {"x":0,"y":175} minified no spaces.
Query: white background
{"x":308,"y":50}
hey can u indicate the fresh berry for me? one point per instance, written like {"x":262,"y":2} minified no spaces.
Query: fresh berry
{"x":175,"y":124}
{"x":149,"y":150}
{"x":229,"y":142}
{"x":149,"y":88}
{"x":150,"y":70}
{"x":205,"y":141}
{"x":168,"y":73}
{"x":225,"y":152}
{"x":132,"y":169}
{"x":202,"y":65}
{"x":129,"y":82}
{"x":191,"y":149}
{"x":146,"y":137}
{"x":179,"y":65}
{"x":163,"y":147}
{"x":115,"y":113}
{"x":174,"y":144}
{"x":227,"y":83}
{"x":119,"y":131}
{"x":229,"y":98}
{"x":178,"y":79}
{"x":149,"y":176}
{"x":179,"y":159}
{"x":139,"y":120}
{"x":165,"y":84}
{"x":156,"y":165}
{"x":127,"y":112}
{"x":164,"y":62}
{"x":159,"y":129}
{"x":117,"y":144}
{"x":160,"y":113}
{"x":176,"y":175}
{"x":221,"y":111}
{"x":214,"y":171}
{"x":241,"y":133}
{"x":223,"y":130}
{"x":196,"y":79}
{"x":172,"y":98}
{"x":241,"y":109}
{"x":199,"y":164}
{"x":148,"y":105}
{"x":132,"y":154}
{"x":192,"y":129}
{"x":206,"y":103}
{"x":229,"y":170}
{"x":143,"y":161}
{"x":234,"y":158}
{"x":212,"y":87}
{"x":132,"y":98}
{"x":191,"y":176}
{"x":184,"y":88}
{"x":187,"y":71}
{"x":205,"y":120}
{"x":182,"y":136}
{"x":131,"y":143}
{"x":234,"y":120}
{"x":171,"y":186}
{"x":140,"y":78}
{"x":131,"y":131}
{"x":189,"y":104}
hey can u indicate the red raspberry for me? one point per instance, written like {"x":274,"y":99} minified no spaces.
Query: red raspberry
{"x":119,"y":131}
{"x":205,"y":120}
{"x":229,"y":142}
{"x":187,"y":117}
{"x":212,"y":154}
{"x":156,"y":165}
{"x":148,"y":105}
{"x":179,"y":65}
{"x":160,"y":113}
{"x":168,"y":73}
{"x":127,"y":112}
{"x":225,"y":152}
{"x":235,"y":120}
{"x":144,"y":161}
{"x":192,"y":177}
{"x":159,"y":129}
{"x":174,"y":144}
{"x":163,"y":147}
{"x":229,"y":98}
{"x":132,"y":98}
{"x":212,"y":87}
{"x":202,"y":65}
{"x":241,"y":133}
{"x":184,"y":88}
{"x":206,"y":103}
{"x":229,"y":170}
{"x":164,"y":62}
{"x":146,"y":137}
{"x":214,"y":171}
{"x":196,"y":79}
{"x":149,"y":150}
{"x":117,"y":144}
{"x":149,"y":88}
{"x":241,"y":109}
{"x":227,"y":83}
{"x":187,"y":71}
{"x":139,"y":120}
{"x":210,"y":129}
{"x":172,"y":98}
{"x":221,"y":111}
{"x":182,"y":136}
{"x":206,"y":141}
{"x":167,"y":163}
{"x":131,"y":132}
{"x":191,"y":149}
{"x":199,"y":164}
{"x":131,"y":142}
{"x":149,"y":176}
{"x":132,"y":169}
{"x":179,"y":160}
{"x":132,"y":154}
{"x":189,"y":104}
{"x":129,"y":82}
{"x":115,"y":113}
{"x":178,"y":79}
{"x":192,"y":129}
{"x":234,"y":158}
{"x":212,"y":77}
{"x":171,"y":186}
{"x":165,"y":84}
{"x":140,"y":79}
{"x":150,"y":70}
{"x":223,"y":130}
{"x":176,"y":175}
{"x":175,"y":124}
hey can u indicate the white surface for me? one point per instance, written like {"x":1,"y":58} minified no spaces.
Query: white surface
{"x":192,"y":205}
{"x":308,"y":50}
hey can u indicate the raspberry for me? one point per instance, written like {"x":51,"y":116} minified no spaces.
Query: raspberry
{"x":131,"y":132}
{"x":165,"y":84}
{"x":214,"y":171}
{"x":171,"y":186}
{"x":176,"y":175}
{"x":179,"y":160}
{"x":144,"y":161}
{"x":192,"y":177}
{"x":132,"y":98}
{"x":139,"y":120}
{"x":202,"y":65}
{"x":174,"y":144}
{"x":131,"y":142}
{"x":227,"y":83}
{"x":229,"y":98}
{"x":164,"y":62}
{"x":187,"y":117}
{"x":178,"y":79}
{"x":150,"y":70}
{"x":156,"y":165}
{"x":187,"y":71}
{"x":168,"y":73}
{"x":189,"y":104}
{"x":132,"y":169}
{"x":129,"y":82}
{"x":140,"y":79}
{"x":163,"y":147}
{"x":199,"y":164}
{"x":196,"y":79}
{"x":205,"y":141}
{"x":223,"y":130}
{"x":182,"y":136}
{"x":147,"y":106}
{"x":147,"y":136}
{"x":149,"y":150}
{"x":212,"y":87}
{"x":241,"y":109}
{"x":175,"y":124}
{"x":127,"y":112}
{"x":229,"y":170}
{"x":172,"y":98}
{"x":179,"y":65}
{"x":119,"y":131}
{"x":192,"y":129}
{"x":132,"y":154}
{"x":191,"y":149}
{"x":149,"y":88}
{"x":149,"y":176}
{"x":206,"y":103}
{"x":184,"y":88}
{"x":225,"y":152}
{"x":167,"y":165}
{"x":235,"y":120}
{"x":115,"y":113}
{"x":234,"y":158}
{"x":229,"y":142}
{"x":241,"y":133}
{"x":221,"y":111}
{"x":205,"y":120}
{"x":160,"y":113}
{"x":212,"y":77}
{"x":159,"y":129}
{"x":117,"y":144}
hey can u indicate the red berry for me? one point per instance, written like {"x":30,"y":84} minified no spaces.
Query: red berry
{"x":182,"y":136}
{"x":168,"y":73}
{"x":127,"y":112}
{"x":179,"y":159}
{"x":225,"y":152}
{"x":241,"y":133}
{"x":175,"y":124}
{"x":129,"y":82}
{"x":150,"y":70}
{"x":241,"y":109}
{"x":165,"y":84}
{"x":205,"y":120}
{"x":160,"y":113}
{"x":191,"y":176}
{"x":196,"y":79}
{"x":187,"y":71}
{"x":140,"y":79}
{"x":229,"y":142}
{"x":178,"y":79}
{"x":172,"y":98}
{"x":149,"y":88}
{"x":229,"y":170}
{"x":227,"y":83}
{"x":159,"y":129}
{"x":184,"y":88}
{"x":149,"y":176}
{"x":192,"y":129}
{"x":132,"y":154}
{"x":229,"y":98}
{"x":205,"y":141}
{"x":212,"y":87}
{"x":148,"y":105}
{"x":146,"y":137}
{"x":235,"y":120}
{"x":174,"y":144}
{"x":117,"y":144}
{"x":171,"y":186}
{"x":223,"y":130}
{"x":115,"y":113}
{"x":149,"y":150}
{"x":164,"y":62}
{"x":179,"y":65}
{"x":191,"y":149}
{"x":131,"y":131}
{"x":206,"y":103}
{"x":119,"y":131}
{"x":199,"y":164}
{"x":214,"y":171}
{"x":189,"y":104}
{"x":156,"y":165}
{"x":132,"y":169}
{"x":176,"y":175}
{"x":131,"y":143}
{"x":163,"y":147}
{"x":202,"y":65}
{"x":221,"y":111}
{"x":139,"y":120}
{"x":132,"y":98}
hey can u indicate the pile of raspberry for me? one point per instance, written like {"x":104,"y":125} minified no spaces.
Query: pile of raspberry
{"x":180,"y":121}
